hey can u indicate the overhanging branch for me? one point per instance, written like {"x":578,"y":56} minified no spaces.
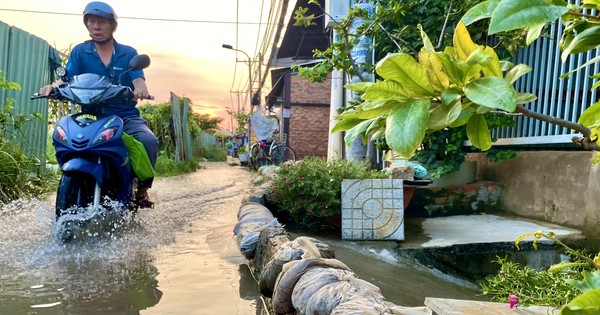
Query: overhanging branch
{"x":585,"y":142}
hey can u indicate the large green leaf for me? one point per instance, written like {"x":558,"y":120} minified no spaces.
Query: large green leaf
{"x":406,"y":126}
{"x":357,"y":131}
{"x":385,"y":90}
{"x":450,"y":95}
{"x":534,"y":33}
{"x":432,"y":63}
{"x":463,"y":119}
{"x":479,"y":57}
{"x":377,"y":125}
{"x":427,"y":45}
{"x":590,"y":116}
{"x":587,"y":303}
{"x":584,"y":41}
{"x":444,"y":115}
{"x":457,"y":70}
{"x":524,"y":98}
{"x":369,"y":112}
{"x":518,"y":14}
{"x":346,"y":124}
{"x":463,"y":44}
{"x":590,"y":281}
{"x":516,"y":72}
{"x":494,"y":67}
{"x":479,"y":133}
{"x":359,"y":87}
{"x":481,"y":11}
{"x":492,"y":92}
{"x":403,"y":68}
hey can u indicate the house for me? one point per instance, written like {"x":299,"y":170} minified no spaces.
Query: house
{"x":303,"y":105}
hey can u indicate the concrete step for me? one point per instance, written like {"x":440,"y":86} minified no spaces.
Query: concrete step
{"x":465,"y":307}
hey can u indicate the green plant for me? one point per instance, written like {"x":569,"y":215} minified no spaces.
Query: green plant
{"x":18,"y":177}
{"x":167,"y":165}
{"x":532,"y":287}
{"x":241,"y":119}
{"x":442,"y":152}
{"x":309,"y":191}
{"x":213,"y":153}
{"x":462,"y":83}
{"x":568,"y":284}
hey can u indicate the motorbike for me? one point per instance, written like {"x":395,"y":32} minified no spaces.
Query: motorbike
{"x":91,"y":148}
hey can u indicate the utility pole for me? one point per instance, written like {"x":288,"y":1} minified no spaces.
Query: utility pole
{"x":361,"y":54}
{"x":249,"y":88}
{"x":335,"y":11}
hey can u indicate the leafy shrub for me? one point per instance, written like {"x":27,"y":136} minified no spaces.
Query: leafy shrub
{"x":17,"y":170}
{"x":309,"y":191}
{"x":214,"y":153}
{"x":167,"y":165}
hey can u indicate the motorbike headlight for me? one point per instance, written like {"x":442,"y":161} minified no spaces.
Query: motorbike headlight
{"x":61,"y":134}
{"x":105,"y":135}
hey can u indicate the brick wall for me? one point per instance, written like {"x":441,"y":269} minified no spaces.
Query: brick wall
{"x":309,"y":126}
{"x":309,"y":117}
{"x":304,"y":91}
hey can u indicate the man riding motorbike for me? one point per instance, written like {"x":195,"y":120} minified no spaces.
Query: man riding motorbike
{"x":103,"y":55}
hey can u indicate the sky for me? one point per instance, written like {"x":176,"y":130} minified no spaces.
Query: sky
{"x":187,"y":54}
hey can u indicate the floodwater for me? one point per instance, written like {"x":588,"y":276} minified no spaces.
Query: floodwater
{"x":178,"y":258}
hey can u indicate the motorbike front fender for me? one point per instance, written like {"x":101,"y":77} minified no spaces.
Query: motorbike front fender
{"x":82,"y":165}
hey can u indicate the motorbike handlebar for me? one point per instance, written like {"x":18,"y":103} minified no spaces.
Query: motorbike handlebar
{"x":36,"y":96}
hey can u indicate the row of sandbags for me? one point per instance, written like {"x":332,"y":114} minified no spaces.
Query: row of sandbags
{"x":303,"y":276}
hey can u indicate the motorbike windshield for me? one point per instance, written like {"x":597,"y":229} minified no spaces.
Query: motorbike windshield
{"x":88,"y":86}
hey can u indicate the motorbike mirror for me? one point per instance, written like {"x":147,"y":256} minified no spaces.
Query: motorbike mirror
{"x":136,"y":63}
{"x":139,"y":62}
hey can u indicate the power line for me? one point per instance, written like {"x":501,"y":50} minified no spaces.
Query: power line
{"x":139,"y":18}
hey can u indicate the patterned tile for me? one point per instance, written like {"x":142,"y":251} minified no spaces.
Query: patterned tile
{"x":372,"y":209}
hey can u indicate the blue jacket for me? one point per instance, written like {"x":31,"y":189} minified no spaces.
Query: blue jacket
{"x":85,"y":59}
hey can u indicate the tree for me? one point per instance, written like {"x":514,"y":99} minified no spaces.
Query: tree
{"x":458,"y":85}
{"x":206,"y":122}
{"x":241,"y":119}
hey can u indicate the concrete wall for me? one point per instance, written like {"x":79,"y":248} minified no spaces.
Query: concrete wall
{"x":552,"y":186}
{"x":309,"y":117}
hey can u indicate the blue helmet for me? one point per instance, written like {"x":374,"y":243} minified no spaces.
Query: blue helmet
{"x":100,"y":9}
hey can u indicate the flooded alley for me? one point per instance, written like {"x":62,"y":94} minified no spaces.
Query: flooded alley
{"x":179,"y":258}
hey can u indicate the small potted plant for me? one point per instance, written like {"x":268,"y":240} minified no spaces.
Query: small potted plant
{"x":242,"y":154}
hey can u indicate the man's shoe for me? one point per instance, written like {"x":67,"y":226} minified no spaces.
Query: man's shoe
{"x":144,"y":201}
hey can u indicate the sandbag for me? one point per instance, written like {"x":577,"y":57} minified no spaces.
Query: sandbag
{"x":248,"y":234}
{"x":251,"y":210}
{"x":301,"y":247}
{"x":359,"y":303}
{"x":252,"y":218}
{"x":311,"y":283}
{"x":289,"y":276}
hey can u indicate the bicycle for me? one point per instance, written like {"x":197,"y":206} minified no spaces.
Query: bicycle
{"x":265,"y":152}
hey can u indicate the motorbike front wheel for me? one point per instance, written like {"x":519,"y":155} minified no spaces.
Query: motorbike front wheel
{"x":75,"y":189}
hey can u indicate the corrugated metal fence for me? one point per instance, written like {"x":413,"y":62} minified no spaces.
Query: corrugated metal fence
{"x":562,"y":98}
{"x":26,"y":59}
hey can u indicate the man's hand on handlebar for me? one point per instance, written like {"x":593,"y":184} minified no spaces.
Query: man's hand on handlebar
{"x":48,"y":89}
